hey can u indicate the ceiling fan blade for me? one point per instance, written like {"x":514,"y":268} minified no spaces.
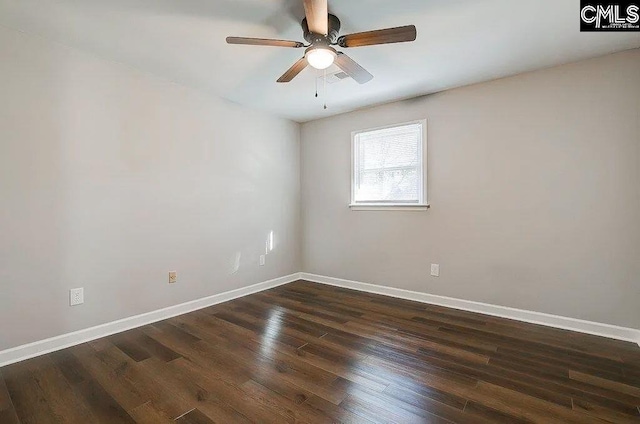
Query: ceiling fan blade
{"x":381,"y":36}
{"x":351,"y":68}
{"x":293,"y":71}
{"x":317,"y":12}
{"x":264,"y":42}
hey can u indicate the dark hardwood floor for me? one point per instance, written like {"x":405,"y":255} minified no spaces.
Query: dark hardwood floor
{"x":311,"y":353}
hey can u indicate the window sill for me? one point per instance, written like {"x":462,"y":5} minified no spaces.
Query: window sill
{"x":385,"y":207}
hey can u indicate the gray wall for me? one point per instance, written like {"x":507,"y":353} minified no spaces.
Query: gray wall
{"x":110,"y":178}
{"x":534,"y":183}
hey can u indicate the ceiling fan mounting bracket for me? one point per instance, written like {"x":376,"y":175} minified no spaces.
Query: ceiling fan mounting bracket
{"x":311,"y":48}
{"x":330,"y":38}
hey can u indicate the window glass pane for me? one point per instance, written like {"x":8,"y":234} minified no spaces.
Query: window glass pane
{"x":399,"y":185}
{"x":390,"y":147}
{"x":388,"y":165}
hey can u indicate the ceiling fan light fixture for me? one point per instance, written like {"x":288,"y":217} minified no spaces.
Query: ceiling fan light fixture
{"x":320,"y":57}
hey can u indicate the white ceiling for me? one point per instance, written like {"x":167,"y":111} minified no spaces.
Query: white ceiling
{"x":459,"y":42}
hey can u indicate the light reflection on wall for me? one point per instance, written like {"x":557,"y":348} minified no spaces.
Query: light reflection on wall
{"x":269,"y":243}
{"x":235,"y":260}
{"x":235,"y":265}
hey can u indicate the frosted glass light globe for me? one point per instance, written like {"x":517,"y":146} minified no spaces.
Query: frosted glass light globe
{"x":321,"y":57}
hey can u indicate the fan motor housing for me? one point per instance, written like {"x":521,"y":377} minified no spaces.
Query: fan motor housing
{"x":331,"y":38}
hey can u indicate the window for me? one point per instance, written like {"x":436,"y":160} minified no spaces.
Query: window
{"x":389,"y":167}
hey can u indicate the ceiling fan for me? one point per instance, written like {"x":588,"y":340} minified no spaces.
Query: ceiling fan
{"x":321,"y":31}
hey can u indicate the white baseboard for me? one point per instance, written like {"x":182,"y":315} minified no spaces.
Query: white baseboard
{"x":63,"y":341}
{"x":581,"y":326}
{"x":52,"y":344}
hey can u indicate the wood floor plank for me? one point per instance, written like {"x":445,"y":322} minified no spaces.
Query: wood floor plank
{"x":138,"y":384}
{"x":609,"y":415}
{"x":8,"y":416}
{"x":433,"y":401}
{"x":5,"y":399}
{"x":7,"y":411}
{"x":126,"y":343}
{"x":597,"y":368}
{"x":175,"y":333}
{"x":339,"y":365}
{"x":69,"y":365}
{"x":195,"y":417}
{"x":102,"y":405}
{"x":148,"y":413}
{"x":106,"y":371}
{"x":88,"y":389}
{"x":257,"y":409}
{"x":27,"y":396}
{"x":451,"y":341}
{"x":385,"y":409}
{"x":426,"y":396}
{"x":480,"y":411}
{"x":298,"y":411}
{"x":336,"y":413}
{"x":180,"y":383}
{"x":311,"y":353}
{"x":419,"y":380}
{"x":67,"y":409}
{"x":249,"y":358}
{"x":536,"y":384}
{"x":290,"y":367}
{"x":155,"y":348}
{"x":606,"y":384}
{"x":526,"y":407}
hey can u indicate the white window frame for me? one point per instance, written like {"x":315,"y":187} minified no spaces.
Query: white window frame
{"x":372,"y":206}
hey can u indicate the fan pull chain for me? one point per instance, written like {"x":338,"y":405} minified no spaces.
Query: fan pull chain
{"x":316,"y":87}
{"x":324,"y":94}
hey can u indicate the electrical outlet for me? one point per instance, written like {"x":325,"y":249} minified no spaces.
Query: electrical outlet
{"x":262,"y":260}
{"x":76,"y":297}
{"x":173,"y":277}
{"x":435,"y":270}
